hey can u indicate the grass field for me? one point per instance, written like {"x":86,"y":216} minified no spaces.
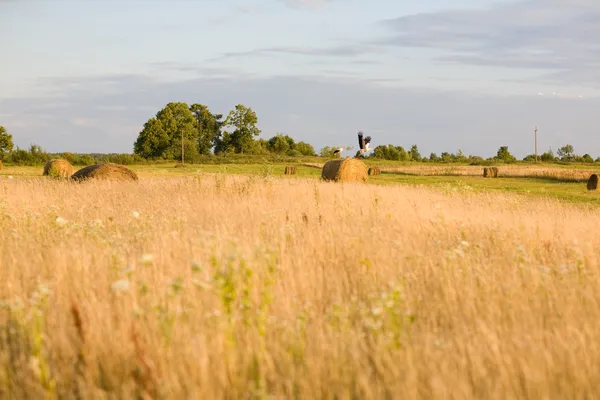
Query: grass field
{"x":204,"y":282}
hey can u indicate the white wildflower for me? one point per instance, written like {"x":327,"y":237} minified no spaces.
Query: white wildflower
{"x":121,"y":285}
{"x":60,"y":221}
{"x":135,"y":214}
{"x":146,"y":259}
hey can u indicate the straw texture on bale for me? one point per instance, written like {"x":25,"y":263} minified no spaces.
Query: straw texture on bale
{"x":290,"y":170}
{"x":108,"y":171}
{"x":490,"y":172}
{"x":593,"y":182}
{"x":346,"y":170}
{"x":374,"y":171}
{"x":58,"y":168}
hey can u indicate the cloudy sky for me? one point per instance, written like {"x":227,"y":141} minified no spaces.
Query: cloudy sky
{"x":84,"y":75}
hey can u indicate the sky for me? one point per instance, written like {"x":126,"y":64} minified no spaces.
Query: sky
{"x":474,"y":75}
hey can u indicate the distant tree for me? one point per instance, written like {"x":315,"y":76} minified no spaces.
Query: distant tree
{"x":162,"y":135}
{"x":504,"y":155}
{"x":243,"y":121}
{"x":566,"y":153}
{"x":280,"y":144}
{"x":459,"y":157}
{"x":327,"y":151}
{"x":6,"y":142}
{"x":259,"y":147}
{"x":209,"y":127}
{"x":433,"y":157}
{"x":548,"y":156}
{"x":305,"y":149}
{"x":586,"y":158}
{"x":414,"y":153}
{"x":446,"y":157}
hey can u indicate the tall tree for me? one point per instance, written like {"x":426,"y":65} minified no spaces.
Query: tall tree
{"x":162,"y":135}
{"x":243,"y":121}
{"x":566,"y":153}
{"x":209,"y":127}
{"x":6,"y":142}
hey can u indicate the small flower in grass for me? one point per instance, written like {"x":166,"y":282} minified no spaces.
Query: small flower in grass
{"x":60,"y":221}
{"x":128,"y":270}
{"x":135,"y":214}
{"x":121,"y":285}
{"x":197,"y":267}
{"x":10,"y":177}
{"x":146,"y":259}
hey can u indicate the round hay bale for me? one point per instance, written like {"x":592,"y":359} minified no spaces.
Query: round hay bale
{"x":346,"y":170}
{"x":107,"y":171}
{"x":374,"y":171}
{"x":58,"y":168}
{"x":490,"y":172}
{"x":593,"y":182}
{"x":290,"y":170}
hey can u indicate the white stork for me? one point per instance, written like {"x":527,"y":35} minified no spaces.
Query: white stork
{"x":363,"y":143}
{"x":338,"y":151}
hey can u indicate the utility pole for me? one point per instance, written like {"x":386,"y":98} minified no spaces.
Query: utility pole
{"x":535,"y":136}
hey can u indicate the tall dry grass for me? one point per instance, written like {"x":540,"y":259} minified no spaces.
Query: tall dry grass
{"x":247,"y":287}
{"x":506,"y":171}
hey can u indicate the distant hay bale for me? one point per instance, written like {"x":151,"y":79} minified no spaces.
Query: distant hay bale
{"x":290,"y":170}
{"x":374,"y":171}
{"x":58,"y":168}
{"x":1,"y":166}
{"x":346,"y":170}
{"x":107,"y":171}
{"x":593,"y":182}
{"x":490,"y":172}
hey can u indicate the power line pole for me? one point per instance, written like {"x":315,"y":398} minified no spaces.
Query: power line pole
{"x":536,"y":151}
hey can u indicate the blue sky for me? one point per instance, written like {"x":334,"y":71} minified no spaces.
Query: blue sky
{"x":84,"y":75}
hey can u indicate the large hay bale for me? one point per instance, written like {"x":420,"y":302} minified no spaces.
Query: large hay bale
{"x":107,"y":171}
{"x":490,"y":172}
{"x":346,"y":170}
{"x":58,"y":168}
{"x":593,"y":182}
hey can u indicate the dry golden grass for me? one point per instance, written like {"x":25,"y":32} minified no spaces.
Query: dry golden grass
{"x":245,"y":287}
{"x":507,"y":171}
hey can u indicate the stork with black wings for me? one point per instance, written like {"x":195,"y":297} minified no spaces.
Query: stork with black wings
{"x":363,"y":143}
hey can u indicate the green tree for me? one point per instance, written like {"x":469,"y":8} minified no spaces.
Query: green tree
{"x":209,"y":127}
{"x":243,"y":121}
{"x":587,"y":158}
{"x":280,"y":144}
{"x":305,"y":149}
{"x":162,"y":135}
{"x":504,"y":155}
{"x":433,"y":157}
{"x":566,"y":153}
{"x":414,"y":153}
{"x":6,"y":142}
{"x":548,"y":156}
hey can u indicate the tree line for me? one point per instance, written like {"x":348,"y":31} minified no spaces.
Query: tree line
{"x":202,"y":134}
{"x":196,"y":131}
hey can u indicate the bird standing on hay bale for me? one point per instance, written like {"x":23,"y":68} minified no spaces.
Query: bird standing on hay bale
{"x":363,"y":144}
{"x":338,"y":151}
